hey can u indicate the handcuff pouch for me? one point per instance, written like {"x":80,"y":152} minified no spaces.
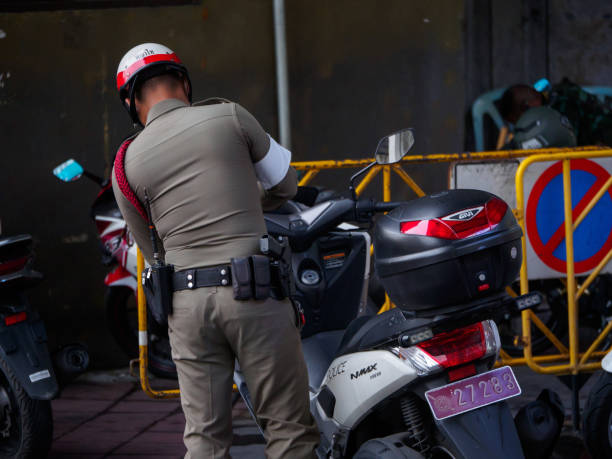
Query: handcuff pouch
{"x":157,"y":285}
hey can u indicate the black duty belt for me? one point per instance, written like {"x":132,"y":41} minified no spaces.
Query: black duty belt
{"x":190,"y":279}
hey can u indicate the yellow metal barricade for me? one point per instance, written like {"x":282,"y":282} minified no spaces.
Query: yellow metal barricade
{"x":143,"y":348}
{"x":576,"y":361}
{"x":312,"y":168}
{"x":573,"y":361}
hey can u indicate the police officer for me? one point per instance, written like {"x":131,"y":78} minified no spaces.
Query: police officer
{"x":207,"y":172}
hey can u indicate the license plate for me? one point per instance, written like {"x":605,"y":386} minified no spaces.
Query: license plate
{"x":471,"y":393}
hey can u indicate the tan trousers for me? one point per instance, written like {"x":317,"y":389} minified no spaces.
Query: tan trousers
{"x":208,"y":330}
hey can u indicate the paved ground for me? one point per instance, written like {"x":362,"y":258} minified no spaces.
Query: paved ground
{"x":107,"y":415}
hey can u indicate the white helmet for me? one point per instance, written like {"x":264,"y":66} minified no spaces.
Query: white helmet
{"x":141,"y":63}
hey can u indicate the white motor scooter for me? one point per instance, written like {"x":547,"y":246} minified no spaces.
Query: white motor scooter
{"x":416,"y":381}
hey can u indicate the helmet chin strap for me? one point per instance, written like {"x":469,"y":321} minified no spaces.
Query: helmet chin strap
{"x":132,"y":108}
{"x":190,"y":94}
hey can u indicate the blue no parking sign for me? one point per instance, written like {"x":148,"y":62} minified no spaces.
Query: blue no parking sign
{"x":545,"y":216}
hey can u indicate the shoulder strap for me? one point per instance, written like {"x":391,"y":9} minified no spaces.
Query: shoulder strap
{"x":122,"y":181}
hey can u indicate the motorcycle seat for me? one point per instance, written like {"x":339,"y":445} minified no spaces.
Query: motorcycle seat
{"x":319,"y":352}
{"x":288,"y":208}
{"x":322,"y":348}
{"x":350,"y":343}
{"x":365,"y":331}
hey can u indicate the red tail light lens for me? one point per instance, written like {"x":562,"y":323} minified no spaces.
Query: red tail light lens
{"x":460,"y":225}
{"x":12,"y":266}
{"x":496,"y":209}
{"x":15,"y":318}
{"x":464,"y":371}
{"x":457,"y":347}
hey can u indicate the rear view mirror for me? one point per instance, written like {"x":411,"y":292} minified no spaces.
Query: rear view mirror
{"x":394,"y":147}
{"x":68,"y":171}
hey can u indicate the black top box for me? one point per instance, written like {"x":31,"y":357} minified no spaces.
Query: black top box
{"x":447,"y":249}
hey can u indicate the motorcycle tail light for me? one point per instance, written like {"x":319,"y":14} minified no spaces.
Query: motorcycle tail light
{"x":11,"y":266}
{"x":15,"y":318}
{"x":420,"y":360}
{"x":496,"y":210}
{"x":457,"y":347}
{"x":492,"y":341}
{"x":455,"y":374}
{"x":460,"y":225}
{"x":455,"y":350}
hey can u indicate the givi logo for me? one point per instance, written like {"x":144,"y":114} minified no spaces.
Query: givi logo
{"x":464,"y":215}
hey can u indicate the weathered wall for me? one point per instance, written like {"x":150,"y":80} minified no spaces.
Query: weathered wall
{"x":580,"y":41}
{"x":358,"y":70}
{"x":60,"y":102}
{"x":524,"y":40}
{"x":553,"y":38}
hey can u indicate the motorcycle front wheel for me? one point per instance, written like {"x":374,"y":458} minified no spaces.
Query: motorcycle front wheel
{"x":122,"y":316}
{"x":597,"y":425}
{"x":26,"y":425}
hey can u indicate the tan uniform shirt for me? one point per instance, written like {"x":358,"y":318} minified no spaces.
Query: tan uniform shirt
{"x":201,"y":167}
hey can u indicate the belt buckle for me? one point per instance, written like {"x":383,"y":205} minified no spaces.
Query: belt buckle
{"x":191,"y":278}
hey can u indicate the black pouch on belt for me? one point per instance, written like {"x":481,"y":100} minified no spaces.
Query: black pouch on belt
{"x":241,"y":278}
{"x":157,"y":285}
{"x":261,"y":276}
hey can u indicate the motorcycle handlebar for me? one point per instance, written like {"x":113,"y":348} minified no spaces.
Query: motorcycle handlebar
{"x":99,"y":180}
{"x":365,"y":208}
{"x":386,"y":206}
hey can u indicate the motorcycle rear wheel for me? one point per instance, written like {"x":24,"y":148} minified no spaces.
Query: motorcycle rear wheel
{"x":597,"y":424}
{"x":391,"y":447}
{"x":122,"y":317}
{"x":26,"y":425}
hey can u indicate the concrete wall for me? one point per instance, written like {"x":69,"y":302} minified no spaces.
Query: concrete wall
{"x":530,"y":39}
{"x":58,"y":100}
{"x":553,"y":38}
{"x":358,"y":69}
{"x":524,"y":40}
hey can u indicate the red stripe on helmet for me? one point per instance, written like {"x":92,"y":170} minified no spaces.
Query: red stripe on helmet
{"x":124,"y":76}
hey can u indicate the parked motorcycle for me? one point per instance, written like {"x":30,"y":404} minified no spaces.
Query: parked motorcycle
{"x":119,"y":252}
{"x":597,"y":415}
{"x":27,"y":378}
{"x":415,"y":381}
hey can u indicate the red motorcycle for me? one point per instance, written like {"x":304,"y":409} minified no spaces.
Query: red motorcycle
{"x":119,"y":253}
